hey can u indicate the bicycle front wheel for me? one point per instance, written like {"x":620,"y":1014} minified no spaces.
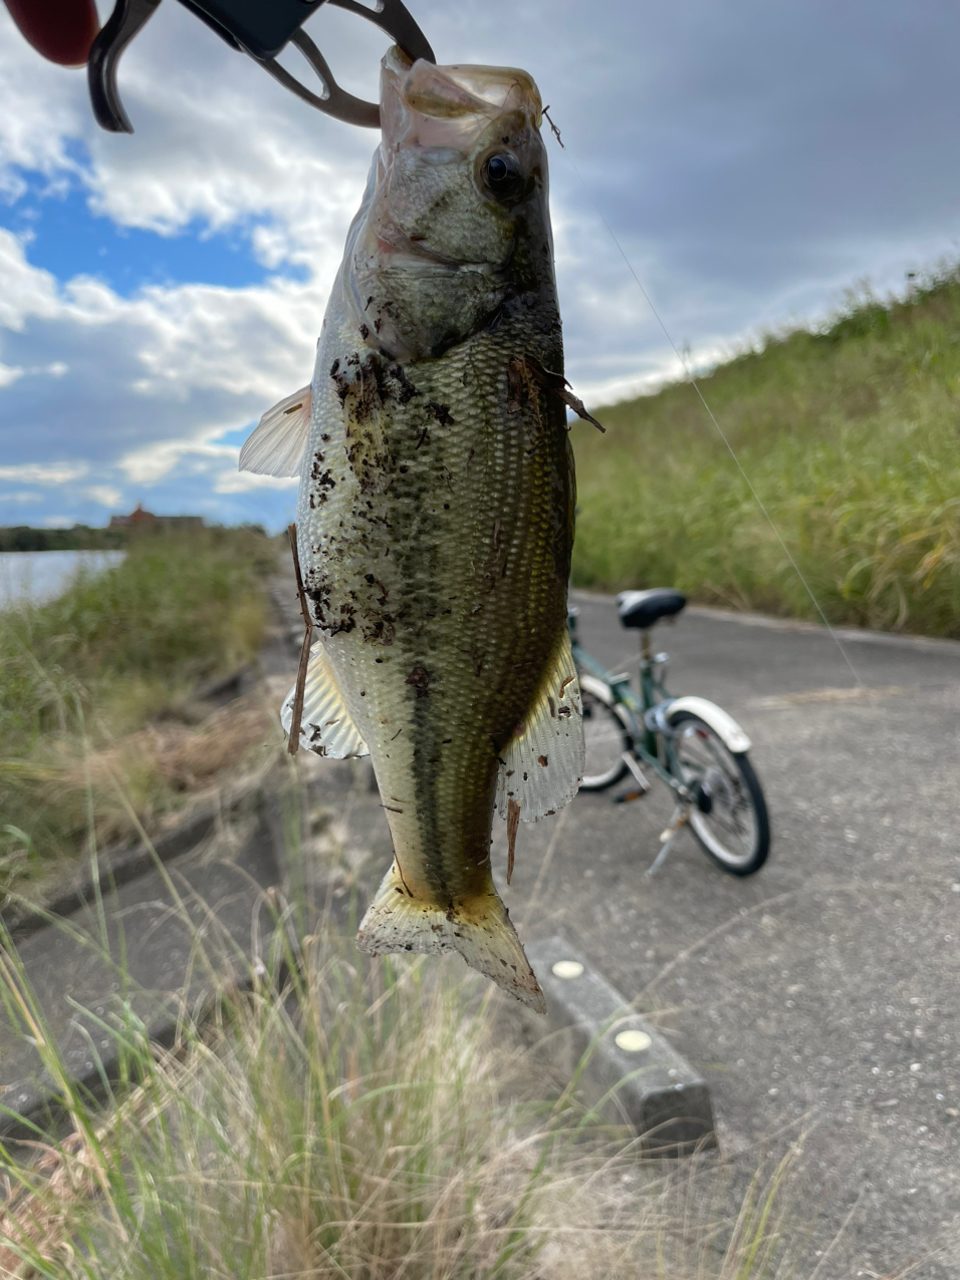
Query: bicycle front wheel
{"x":729,"y":819}
{"x":606,"y":734}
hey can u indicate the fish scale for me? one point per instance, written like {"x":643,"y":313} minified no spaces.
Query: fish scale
{"x":480,"y":619}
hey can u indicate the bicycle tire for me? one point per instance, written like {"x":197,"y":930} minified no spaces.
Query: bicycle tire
{"x":733,"y":791}
{"x":606,"y":733}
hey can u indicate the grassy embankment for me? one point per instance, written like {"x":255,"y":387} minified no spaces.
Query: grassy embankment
{"x":850,"y":435}
{"x":97,"y":714}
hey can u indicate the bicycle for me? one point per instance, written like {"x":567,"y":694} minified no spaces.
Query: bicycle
{"x":689,"y":743}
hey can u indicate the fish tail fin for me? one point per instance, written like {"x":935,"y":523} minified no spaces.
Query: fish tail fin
{"x":479,"y":929}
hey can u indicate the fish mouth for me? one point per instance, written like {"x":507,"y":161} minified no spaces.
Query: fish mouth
{"x":449,"y":107}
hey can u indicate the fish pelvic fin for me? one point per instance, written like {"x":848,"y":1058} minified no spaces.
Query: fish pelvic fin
{"x":326,"y":726}
{"x":479,"y":929}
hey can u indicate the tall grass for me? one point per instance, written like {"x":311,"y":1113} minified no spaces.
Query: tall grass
{"x":851,"y":437}
{"x":348,"y":1126}
{"x":83,"y":675}
{"x":367,"y":1120}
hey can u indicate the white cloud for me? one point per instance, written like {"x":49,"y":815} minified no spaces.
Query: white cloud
{"x":44,"y":107}
{"x":104,"y":494}
{"x":147,"y":466}
{"x":179,"y":458}
{"x":44,"y":473}
{"x":184,"y":363}
{"x":240,"y":341}
{"x":27,"y":291}
{"x":244,"y":482}
{"x":217,"y":141}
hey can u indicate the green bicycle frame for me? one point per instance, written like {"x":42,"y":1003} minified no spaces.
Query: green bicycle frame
{"x":653,"y":746}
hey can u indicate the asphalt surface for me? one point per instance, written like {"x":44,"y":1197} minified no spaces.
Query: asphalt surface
{"x":820,"y":998}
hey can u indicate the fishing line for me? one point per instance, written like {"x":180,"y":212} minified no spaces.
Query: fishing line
{"x":696,"y":386}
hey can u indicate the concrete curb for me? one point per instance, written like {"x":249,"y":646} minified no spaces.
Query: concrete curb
{"x":628,"y":1070}
{"x":121,"y":864}
{"x":201,"y":924}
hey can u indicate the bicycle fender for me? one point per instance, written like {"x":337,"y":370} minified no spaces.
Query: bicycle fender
{"x":725,"y":727}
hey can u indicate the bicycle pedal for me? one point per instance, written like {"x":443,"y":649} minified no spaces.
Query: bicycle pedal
{"x":628,"y":796}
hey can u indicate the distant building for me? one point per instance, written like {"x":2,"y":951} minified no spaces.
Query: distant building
{"x":137,"y":516}
{"x":141,"y":519}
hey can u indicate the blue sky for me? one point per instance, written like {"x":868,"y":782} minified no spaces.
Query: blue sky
{"x":65,"y":237}
{"x":158,"y":292}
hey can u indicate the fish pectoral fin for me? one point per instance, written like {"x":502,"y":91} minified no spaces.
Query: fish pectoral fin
{"x":480,"y":930}
{"x":543,"y":763}
{"x":277,"y":444}
{"x":326,"y":726}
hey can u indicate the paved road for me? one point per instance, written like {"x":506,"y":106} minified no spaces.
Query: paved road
{"x":821,"y":996}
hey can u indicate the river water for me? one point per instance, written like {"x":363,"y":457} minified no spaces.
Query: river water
{"x":42,"y":575}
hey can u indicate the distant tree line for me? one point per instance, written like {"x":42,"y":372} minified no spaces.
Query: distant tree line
{"x":80,"y":538}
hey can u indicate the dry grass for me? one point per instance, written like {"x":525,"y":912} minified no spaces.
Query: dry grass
{"x":371,"y":1120}
{"x":151,"y":771}
{"x":351,"y":1125}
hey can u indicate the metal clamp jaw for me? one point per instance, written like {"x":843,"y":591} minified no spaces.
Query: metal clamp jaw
{"x":260,"y":28}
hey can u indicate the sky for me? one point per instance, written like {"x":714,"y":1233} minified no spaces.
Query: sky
{"x":751,"y":160}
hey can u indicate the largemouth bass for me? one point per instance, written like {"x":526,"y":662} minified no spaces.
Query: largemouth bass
{"x":435,"y":516}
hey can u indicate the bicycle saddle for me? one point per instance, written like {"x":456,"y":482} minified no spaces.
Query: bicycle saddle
{"x":642,"y":609}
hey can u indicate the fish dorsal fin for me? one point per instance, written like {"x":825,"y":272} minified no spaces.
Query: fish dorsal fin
{"x":277,"y":444}
{"x":543,"y":762}
{"x":326,"y":726}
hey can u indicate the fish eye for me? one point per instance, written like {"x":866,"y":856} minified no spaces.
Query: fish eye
{"x":502,"y":175}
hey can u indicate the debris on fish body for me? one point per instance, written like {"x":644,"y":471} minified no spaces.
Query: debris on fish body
{"x":435,"y":516}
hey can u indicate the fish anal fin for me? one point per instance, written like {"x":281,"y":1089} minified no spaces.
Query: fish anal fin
{"x":326,"y":726}
{"x":543,"y":762}
{"x":478,"y":928}
{"x":277,"y":444}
